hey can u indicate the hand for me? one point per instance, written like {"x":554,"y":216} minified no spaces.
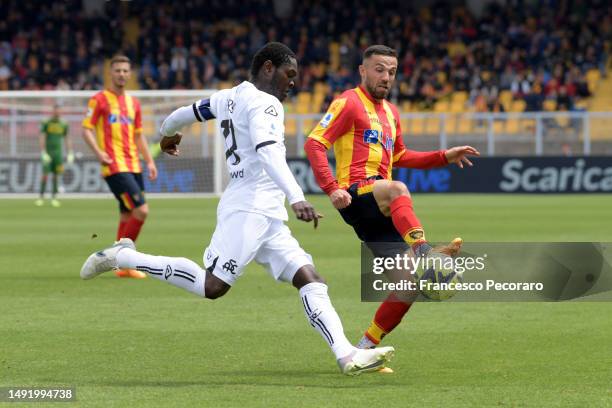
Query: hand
{"x":152,"y":170}
{"x":46,"y":159}
{"x":305,"y":211}
{"x":340,"y":199}
{"x":169,"y":144}
{"x":104,"y":158}
{"x":70,"y":157}
{"x":458,"y":155}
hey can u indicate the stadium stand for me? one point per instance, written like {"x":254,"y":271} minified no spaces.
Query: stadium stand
{"x":543,"y":56}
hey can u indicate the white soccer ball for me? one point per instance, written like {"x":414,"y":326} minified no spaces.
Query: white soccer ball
{"x":436,"y":276}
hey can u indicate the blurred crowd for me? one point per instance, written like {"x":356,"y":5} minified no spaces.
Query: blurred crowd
{"x":538,"y":50}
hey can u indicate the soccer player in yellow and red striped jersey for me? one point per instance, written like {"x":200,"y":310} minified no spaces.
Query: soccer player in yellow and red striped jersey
{"x":113,"y":131}
{"x":364,"y":130}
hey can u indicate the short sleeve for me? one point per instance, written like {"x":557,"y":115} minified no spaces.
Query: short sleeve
{"x":43,"y":127}
{"x":266,"y":122}
{"x":337,"y":121}
{"x":92,"y":115}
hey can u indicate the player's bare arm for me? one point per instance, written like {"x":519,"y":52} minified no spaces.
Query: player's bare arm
{"x":143,"y":148}
{"x":90,"y":139}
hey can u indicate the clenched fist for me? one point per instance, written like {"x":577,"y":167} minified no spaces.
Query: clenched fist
{"x":169,"y":144}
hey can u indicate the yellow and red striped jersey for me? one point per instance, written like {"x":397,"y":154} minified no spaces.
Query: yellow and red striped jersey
{"x":116,"y":119}
{"x":365,"y":134}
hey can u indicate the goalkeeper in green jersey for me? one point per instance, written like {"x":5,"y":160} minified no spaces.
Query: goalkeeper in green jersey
{"x":54,"y":132}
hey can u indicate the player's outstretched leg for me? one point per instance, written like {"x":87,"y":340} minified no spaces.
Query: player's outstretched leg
{"x":180,"y":272}
{"x":393,"y":309}
{"x":325,"y":320}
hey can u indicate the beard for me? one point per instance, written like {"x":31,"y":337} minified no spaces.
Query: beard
{"x":377,"y":93}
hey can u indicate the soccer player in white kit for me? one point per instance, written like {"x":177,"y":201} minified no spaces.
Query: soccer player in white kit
{"x":251,"y":213}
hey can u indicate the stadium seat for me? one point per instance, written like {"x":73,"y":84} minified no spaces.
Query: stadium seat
{"x":512,"y":125}
{"x":441,"y":106}
{"x":550,"y":105}
{"x":459,"y":97}
{"x":592,"y":77}
{"x":517,"y":106}
{"x":465,"y":125}
{"x":505,"y":97}
{"x":303,"y":101}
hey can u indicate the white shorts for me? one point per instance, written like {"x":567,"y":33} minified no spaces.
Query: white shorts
{"x":241,"y":237}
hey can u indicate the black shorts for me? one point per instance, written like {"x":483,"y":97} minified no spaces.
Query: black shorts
{"x":371,"y":225}
{"x":128,"y":189}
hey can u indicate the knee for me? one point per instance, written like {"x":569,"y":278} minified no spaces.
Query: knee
{"x":141,"y":212}
{"x":212,"y":295}
{"x":214,"y":288}
{"x":397,"y":189}
{"x":305,"y":275}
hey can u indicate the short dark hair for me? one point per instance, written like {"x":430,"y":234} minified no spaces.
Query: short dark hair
{"x":276,"y":52}
{"x":120,"y":58}
{"x":379,"y":50}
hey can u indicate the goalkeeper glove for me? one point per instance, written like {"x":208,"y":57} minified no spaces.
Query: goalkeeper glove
{"x":70,"y":157}
{"x":46,"y":159}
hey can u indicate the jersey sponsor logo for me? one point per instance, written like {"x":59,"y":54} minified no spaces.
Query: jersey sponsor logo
{"x":126,"y":120}
{"x":230,"y":105}
{"x":123,"y":119}
{"x":271,"y":111}
{"x":237,"y":174}
{"x":230,"y":266}
{"x":387,"y":142}
{"x":370,"y":136}
{"x":326,"y":119}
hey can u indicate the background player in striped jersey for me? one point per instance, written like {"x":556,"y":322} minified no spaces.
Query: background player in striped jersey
{"x":54,"y":132}
{"x":113,"y":131}
{"x":365,"y":131}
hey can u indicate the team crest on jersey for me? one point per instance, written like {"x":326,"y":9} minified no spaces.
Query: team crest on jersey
{"x":370,"y":136}
{"x":271,"y":111}
{"x":326,"y":119}
{"x":112,"y":118}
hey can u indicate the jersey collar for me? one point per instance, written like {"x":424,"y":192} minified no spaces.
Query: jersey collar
{"x":367,"y":95}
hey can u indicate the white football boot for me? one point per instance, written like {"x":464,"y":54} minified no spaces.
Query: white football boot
{"x":105,"y":260}
{"x":365,"y":360}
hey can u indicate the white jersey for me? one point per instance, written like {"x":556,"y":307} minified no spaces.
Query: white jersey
{"x":248,"y":120}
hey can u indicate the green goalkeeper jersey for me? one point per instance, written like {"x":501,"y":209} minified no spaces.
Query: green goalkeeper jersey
{"x":55,"y":131}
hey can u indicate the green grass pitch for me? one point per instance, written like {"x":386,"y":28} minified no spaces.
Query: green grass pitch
{"x":126,"y":343}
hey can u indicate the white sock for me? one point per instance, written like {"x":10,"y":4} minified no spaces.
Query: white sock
{"x":365,"y":343}
{"x":180,"y":272}
{"x":323,"y":317}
